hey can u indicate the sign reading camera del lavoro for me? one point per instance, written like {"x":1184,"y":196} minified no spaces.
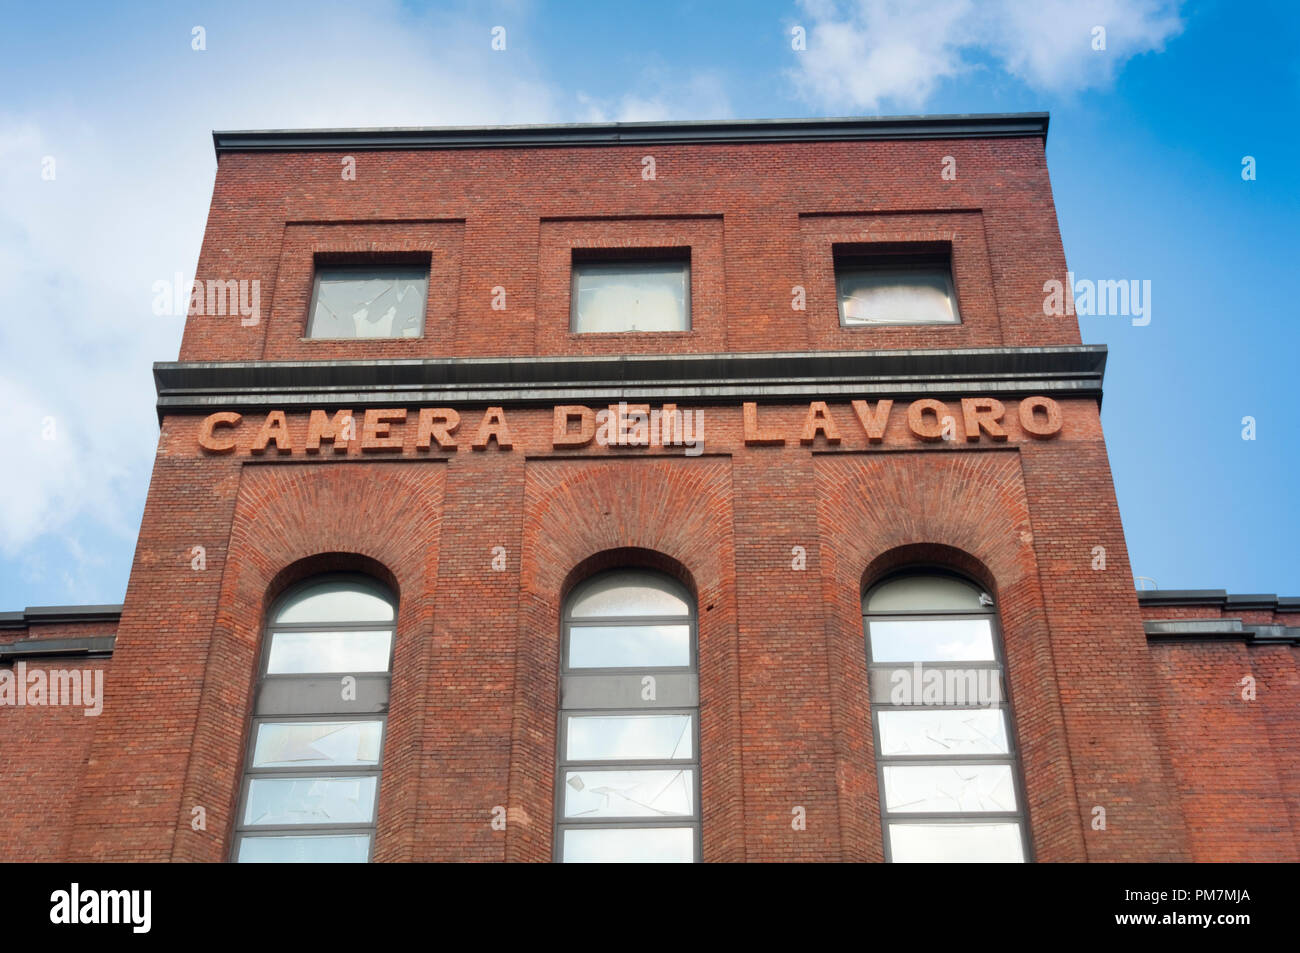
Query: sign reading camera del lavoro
{"x":377,"y":430}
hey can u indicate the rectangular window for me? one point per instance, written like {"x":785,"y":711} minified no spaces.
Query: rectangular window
{"x":634,"y":845}
{"x":591,"y":793}
{"x":892,"y":287}
{"x":949,"y":788}
{"x":298,"y":653}
{"x":630,"y":295}
{"x":282,"y":801}
{"x":666,"y":737}
{"x":933,"y":843}
{"x":310,"y":744}
{"x":309,"y":849}
{"x":629,"y":646}
{"x":944,"y":731}
{"x":364,"y":301}
{"x":931,"y":640}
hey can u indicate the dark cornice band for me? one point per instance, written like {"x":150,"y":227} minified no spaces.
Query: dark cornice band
{"x":1219,"y":599}
{"x":1072,"y":371}
{"x":852,"y":128}
{"x":59,"y":615}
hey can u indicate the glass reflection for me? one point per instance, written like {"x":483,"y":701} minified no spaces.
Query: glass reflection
{"x":939,"y":789}
{"x":597,"y":793}
{"x":629,"y":737}
{"x":300,"y":653}
{"x":311,"y":743}
{"x":306,"y":849}
{"x":646,"y":845}
{"x":931,"y":640}
{"x":276,"y":801}
{"x":629,"y":646}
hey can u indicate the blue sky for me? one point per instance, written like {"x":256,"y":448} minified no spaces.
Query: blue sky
{"x":1145,"y":154}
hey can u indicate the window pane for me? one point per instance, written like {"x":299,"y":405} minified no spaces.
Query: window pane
{"x":895,"y":296}
{"x":931,"y":640}
{"x":924,"y":594}
{"x":655,"y":792}
{"x":629,"y":646}
{"x":628,"y":737}
{"x":936,"y":789}
{"x":280,"y":801}
{"x":628,"y":593}
{"x":295,"y":653}
{"x":956,"y":843}
{"x":310,"y":743}
{"x":647,"y":845}
{"x":369,"y":303}
{"x":336,"y":602}
{"x":314,"y":849}
{"x":631,"y":296}
{"x":979,"y":731}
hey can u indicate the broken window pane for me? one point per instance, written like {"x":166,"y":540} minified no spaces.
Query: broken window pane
{"x":950,"y":732}
{"x":311,"y":743}
{"x":369,"y":302}
{"x":939,"y":789}
{"x":281,"y":801}
{"x":629,"y":737}
{"x":598,"y":793}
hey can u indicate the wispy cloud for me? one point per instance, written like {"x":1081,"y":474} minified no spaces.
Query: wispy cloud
{"x":871,"y":54}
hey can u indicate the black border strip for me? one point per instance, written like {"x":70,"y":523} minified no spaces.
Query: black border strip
{"x":848,"y":128}
{"x":202,"y":387}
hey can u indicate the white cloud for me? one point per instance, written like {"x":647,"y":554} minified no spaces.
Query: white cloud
{"x":130,"y":137}
{"x":660,"y":94}
{"x":864,"y":54}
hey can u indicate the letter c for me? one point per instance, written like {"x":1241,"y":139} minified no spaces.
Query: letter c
{"x":208,"y":441}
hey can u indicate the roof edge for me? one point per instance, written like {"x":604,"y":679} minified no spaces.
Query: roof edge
{"x":53,"y":615}
{"x":1218,"y":598}
{"x":692,"y":132}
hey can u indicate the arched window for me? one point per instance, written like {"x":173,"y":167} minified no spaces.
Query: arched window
{"x":945,"y":743}
{"x":628,"y":774}
{"x":311,"y":780}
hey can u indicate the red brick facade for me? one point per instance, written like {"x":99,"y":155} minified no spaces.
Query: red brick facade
{"x":1157,"y":734}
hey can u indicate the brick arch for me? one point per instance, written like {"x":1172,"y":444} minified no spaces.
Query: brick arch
{"x":583,"y":515}
{"x":321,"y":564}
{"x":969,"y":512}
{"x":932,"y":555}
{"x":291,"y":522}
{"x":627,"y":557}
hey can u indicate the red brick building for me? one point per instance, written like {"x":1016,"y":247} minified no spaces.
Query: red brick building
{"x":662,"y":491}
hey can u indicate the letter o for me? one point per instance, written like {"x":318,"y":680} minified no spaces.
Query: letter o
{"x":916,"y":418}
{"x":1028,"y":419}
